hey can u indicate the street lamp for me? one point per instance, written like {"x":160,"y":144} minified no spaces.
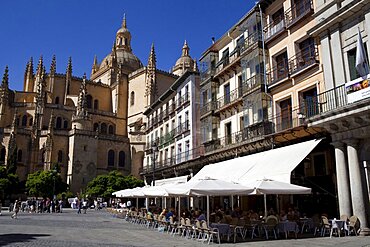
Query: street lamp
{"x":154,"y":158}
{"x":55,"y":172}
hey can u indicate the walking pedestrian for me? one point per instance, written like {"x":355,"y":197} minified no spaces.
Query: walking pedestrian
{"x":16,"y":209}
{"x":84,"y":206}
{"x":79,"y":205}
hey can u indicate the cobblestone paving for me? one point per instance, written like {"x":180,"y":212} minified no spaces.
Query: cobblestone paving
{"x":101,"y":229}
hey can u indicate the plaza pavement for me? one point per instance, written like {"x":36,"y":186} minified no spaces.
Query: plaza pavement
{"x":98,"y":228}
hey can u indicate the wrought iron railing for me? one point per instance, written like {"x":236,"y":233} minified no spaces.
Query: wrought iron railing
{"x":331,"y":99}
{"x":278,"y":72}
{"x":222,"y":64}
{"x":209,"y":106}
{"x":182,"y":127}
{"x":303,"y":59}
{"x":252,"y":83}
{"x":229,"y":98}
{"x":298,"y":11}
{"x":251,"y":41}
{"x":274,"y":28}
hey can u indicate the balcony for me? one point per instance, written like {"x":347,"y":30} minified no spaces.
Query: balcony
{"x":208,"y":107}
{"x":278,"y":73}
{"x":298,"y":11}
{"x":167,"y":138}
{"x":228,"y":63}
{"x":274,"y":28}
{"x":172,"y":108}
{"x":229,"y":99}
{"x":182,"y":128}
{"x":251,"y":42}
{"x":304,"y":59}
{"x":207,"y":73}
{"x":248,"y":134}
{"x":253,"y":83}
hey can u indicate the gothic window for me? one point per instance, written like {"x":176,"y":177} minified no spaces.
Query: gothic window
{"x":30,"y":121}
{"x":96,"y":104}
{"x":121,"y":161}
{"x":96,"y":127}
{"x":60,"y":156}
{"x":24,"y":120}
{"x":65,"y":124}
{"x":110,"y":130}
{"x":110,"y":158}
{"x":2,"y":154}
{"x":132,"y":98}
{"x":103,"y":128}
{"x":19,"y":156}
{"x":89,"y":101}
{"x":59,"y":123}
{"x":57,"y":100}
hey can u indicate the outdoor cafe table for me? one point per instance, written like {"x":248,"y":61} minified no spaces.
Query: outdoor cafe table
{"x":223,"y":229}
{"x":287,"y":227}
{"x":340,"y":224}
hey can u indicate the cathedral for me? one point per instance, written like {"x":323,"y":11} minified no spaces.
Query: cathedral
{"x":87,"y":127}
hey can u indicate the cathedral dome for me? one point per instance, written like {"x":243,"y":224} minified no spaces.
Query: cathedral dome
{"x":125,"y":58}
{"x":184,"y":62}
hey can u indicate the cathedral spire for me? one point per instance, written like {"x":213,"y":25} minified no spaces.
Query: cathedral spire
{"x":151,"y":84}
{"x":53,"y":66}
{"x":68,"y":76}
{"x":185,"y":49}
{"x":5,"y":81}
{"x":28,"y":77}
{"x":82,"y":101}
{"x":95,"y":65}
{"x":124,"y":21}
{"x":40,"y":67}
{"x":69,"y":67}
{"x":152,"y":61}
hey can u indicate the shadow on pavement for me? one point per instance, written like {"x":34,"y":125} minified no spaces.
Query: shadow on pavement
{"x":6,"y":239}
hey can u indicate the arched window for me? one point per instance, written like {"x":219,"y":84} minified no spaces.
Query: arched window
{"x":2,"y":154}
{"x":89,"y":101}
{"x":103,"y":128}
{"x":19,"y":156}
{"x":110,"y":130}
{"x":110,"y":158}
{"x":57,"y":100}
{"x":121,"y":159}
{"x":96,"y":127}
{"x":24,"y":120}
{"x":65,"y":124}
{"x":132,"y":98}
{"x":59,"y":123}
{"x":30,"y":121}
{"x":60,"y":156}
{"x":96,"y":104}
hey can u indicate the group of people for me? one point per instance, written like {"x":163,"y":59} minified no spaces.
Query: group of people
{"x":36,"y":206}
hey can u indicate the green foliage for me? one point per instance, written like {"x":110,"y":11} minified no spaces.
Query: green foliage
{"x":45,"y":184}
{"x":9,"y":182}
{"x":105,"y":185}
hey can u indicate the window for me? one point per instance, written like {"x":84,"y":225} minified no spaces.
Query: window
{"x":110,"y":158}
{"x":225,"y":57}
{"x":65,"y":124}
{"x":96,"y":104}
{"x":103,"y":128}
{"x":59,"y":123}
{"x":24,"y":120}
{"x":179,"y":150}
{"x":285,"y":114}
{"x":111,"y":130}
{"x":351,"y":54}
{"x":187,"y":149}
{"x":89,"y":101}
{"x":19,"y":156}
{"x":228,"y":132}
{"x":132,"y":98}
{"x":96,"y":127}
{"x":227,"y":94}
{"x":121,"y":159}
{"x":186,"y":92}
{"x":282,"y":68}
{"x":57,"y":100}
{"x":308,"y":103}
{"x":60,"y":156}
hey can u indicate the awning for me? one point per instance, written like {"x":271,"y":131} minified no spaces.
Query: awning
{"x":276,"y":164}
{"x":174,"y":180}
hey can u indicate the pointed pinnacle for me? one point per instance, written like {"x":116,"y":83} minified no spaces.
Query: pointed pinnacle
{"x":5,"y":81}
{"x":69,"y":66}
{"x":53,"y":65}
{"x":124,"y":21}
{"x":40,"y":66}
{"x":30,"y":67}
{"x":95,"y":60}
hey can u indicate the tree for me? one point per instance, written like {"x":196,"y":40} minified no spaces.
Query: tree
{"x":8,"y":182}
{"x":105,"y":185}
{"x":13,"y":161}
{"x":45,"y":184}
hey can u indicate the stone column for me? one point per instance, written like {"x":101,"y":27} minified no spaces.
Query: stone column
{"x":337,"y":59}
{"x":359,"y":202}
{"x":344,"y":196}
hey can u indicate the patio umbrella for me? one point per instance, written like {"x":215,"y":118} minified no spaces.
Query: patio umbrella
{"x":209,"y":187}
{"x":272,"y":187}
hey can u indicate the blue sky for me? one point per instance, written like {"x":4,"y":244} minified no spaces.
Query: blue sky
{"x":85,"y":28}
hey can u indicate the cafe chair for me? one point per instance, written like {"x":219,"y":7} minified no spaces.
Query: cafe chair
{"x":325,"y":226}
{"x":354,"y":225}
{"x":270,"y":226}
{"x":334,"y":227}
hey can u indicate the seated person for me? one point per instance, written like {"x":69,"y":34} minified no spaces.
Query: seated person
{"x":236,"y":213}
{"x":283,"y":216}
{"x":201,"y":216}
{"x":169,"y":214}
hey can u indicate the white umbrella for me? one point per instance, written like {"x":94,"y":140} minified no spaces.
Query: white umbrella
{"x":209,"y":187}
{"x":273,"y":187}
